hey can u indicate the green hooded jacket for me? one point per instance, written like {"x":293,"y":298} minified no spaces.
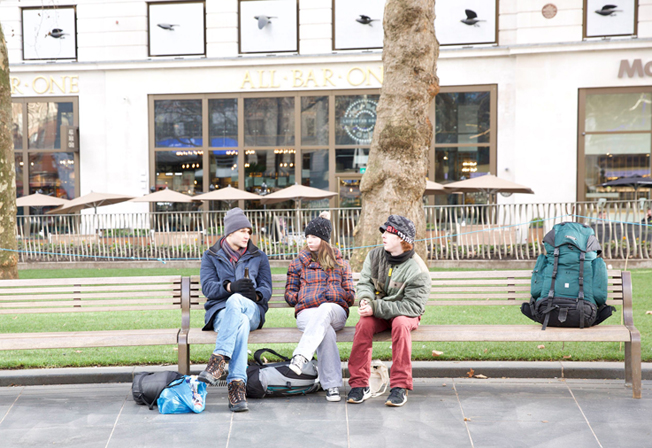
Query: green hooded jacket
{"x":403,"y":292}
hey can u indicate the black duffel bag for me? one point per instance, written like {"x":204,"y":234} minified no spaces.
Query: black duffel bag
{"x":147,"y":386}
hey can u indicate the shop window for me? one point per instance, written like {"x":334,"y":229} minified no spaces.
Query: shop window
{"x":269,"y":121}
{"x":223,"y":168}
{"x":350,"y":195}
{"x":462,"y":117}
{"x":178,"y":123}
{"x":468,"y":23}
{"x":358,"y":24}
{"x":44,"y":121}
{"x":268,"y":26}
{"x":617,"y":112}
{"x":177,"y":29}
{"x":52,"y":173}
{"x":464,"y":139}
{"x":314,"y":168}
{"x":179,"y":171}
{"x":40,"y":164}
{"x":615,"y":141}
{"x":17,"y":124}
{"x":351,"y":160}
{"x":269,"y":170}
{"x":19,"y":174}
{"x":223,"y":119}
{"x":314,"y":121}
{"x":355,"y":117}
{"x":49,"y":33}
{"x":459,"y":163}
{"x":605,"y":19}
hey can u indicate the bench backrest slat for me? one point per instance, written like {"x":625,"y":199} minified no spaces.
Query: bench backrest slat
{"x":91,"y":281}
{"x":451,"y":288}
{"x":94,"y":294}
{"x":89,"y":309}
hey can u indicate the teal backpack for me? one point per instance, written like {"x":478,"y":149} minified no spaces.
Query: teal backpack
{"x":569,"y":282}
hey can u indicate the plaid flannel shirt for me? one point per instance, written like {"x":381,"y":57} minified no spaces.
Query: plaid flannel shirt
{"x":308,"y":285}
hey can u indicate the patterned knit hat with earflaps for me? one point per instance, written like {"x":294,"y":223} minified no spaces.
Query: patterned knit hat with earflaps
{"x":321,"y":227}
{"x":400,"y":226}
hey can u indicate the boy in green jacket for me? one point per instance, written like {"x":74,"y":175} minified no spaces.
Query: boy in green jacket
{"x":393,"y":290}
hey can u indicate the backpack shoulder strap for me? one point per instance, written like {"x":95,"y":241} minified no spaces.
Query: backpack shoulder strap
{"x":555,"y":267}
{"x":259,"y":352}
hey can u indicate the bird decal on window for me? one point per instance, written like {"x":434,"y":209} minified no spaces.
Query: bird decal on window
{"x":167,"y":26}
{"x":608,"y":10}
{"x":471,"y":18}
{"x":57,"y":33}
{"x":263,"y":21}
{"x":365,"y":20}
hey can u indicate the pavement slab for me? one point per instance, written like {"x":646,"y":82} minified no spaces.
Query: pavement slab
{"x":447,"y":412}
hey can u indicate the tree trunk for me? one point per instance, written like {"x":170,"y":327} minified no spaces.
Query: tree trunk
{"x":8,"y":258}
{"x":395,"y":179}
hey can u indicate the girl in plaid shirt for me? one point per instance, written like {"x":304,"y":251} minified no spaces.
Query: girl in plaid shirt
{"x":320,"y":288}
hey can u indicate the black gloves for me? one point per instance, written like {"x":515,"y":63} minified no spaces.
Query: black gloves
{"x":245,"y":287}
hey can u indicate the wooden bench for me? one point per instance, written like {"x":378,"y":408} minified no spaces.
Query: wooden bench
{"x":79,"y":296}
{"x":456,"y":288}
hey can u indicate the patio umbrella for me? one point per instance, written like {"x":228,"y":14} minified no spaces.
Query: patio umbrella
{"x":165,"y":195}
{"x":634,"y":182}
{"x":229,"y":195}
{"x":435,"y":188}
{"x":158,"y":221}
{"x":40,"y":200}
{"x":488,"y":184}
{"x":90,"y":200}
{"x":297,"y":193}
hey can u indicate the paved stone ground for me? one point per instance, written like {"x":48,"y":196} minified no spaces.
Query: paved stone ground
{"x":440,"y":412}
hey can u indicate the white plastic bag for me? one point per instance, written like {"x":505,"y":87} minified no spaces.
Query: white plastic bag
{"x":378,"y":378}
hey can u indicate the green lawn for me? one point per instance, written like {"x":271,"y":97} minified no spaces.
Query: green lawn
{"x":284,"y":317}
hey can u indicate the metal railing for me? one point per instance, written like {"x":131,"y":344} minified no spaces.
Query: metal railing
{"x":511,"y":231}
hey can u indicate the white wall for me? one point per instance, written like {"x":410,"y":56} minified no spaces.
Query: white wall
{"x":538,"y":82}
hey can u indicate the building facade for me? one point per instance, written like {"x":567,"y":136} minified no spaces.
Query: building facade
{"x":197,"y":95}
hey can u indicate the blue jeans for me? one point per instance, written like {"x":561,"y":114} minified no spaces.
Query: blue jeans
{"x":233,"y":325}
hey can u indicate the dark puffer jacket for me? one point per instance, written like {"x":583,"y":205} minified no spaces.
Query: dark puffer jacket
{"x":216,"y":270}
{"x":308,"y":285}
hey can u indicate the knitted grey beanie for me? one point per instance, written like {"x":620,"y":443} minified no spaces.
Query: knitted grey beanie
{"x":235,"y":220}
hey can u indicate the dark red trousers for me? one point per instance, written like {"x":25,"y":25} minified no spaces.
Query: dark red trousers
{"x":360,"y":360}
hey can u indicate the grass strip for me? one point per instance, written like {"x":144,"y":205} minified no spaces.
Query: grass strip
{"x":279,"y":317}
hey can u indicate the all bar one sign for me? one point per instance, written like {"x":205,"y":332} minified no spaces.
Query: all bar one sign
{"x":635,"y":68}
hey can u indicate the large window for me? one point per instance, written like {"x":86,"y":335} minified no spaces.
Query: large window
{"x":264,"y":142}
{"x":41,"y":165}
{"x":615,"y":142}
{"x":465,"y":141}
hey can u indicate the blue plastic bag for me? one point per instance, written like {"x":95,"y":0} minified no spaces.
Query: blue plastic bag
{"x":184,"y":395}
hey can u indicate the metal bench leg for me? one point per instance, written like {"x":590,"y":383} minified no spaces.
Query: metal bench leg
{"x":633,"y":364}
{"x":184,"y":354}
{"x":628,"y":363}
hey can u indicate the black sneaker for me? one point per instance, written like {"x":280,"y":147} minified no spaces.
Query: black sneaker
{"x":237,"y":396}
{"x":397,"y":397}
{"x":358,"y":395}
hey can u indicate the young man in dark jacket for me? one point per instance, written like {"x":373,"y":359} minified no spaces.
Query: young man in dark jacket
{"x":393,"y":290}
{"x":235,"y":305}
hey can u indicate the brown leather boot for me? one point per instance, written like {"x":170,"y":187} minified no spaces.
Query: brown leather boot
{"x":237,"y":398}
{"x":214,"y":370}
